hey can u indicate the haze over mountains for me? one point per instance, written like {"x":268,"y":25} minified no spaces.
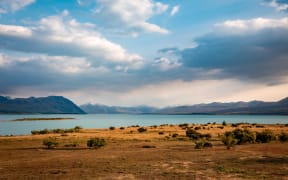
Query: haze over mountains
{"x":61,"y":105}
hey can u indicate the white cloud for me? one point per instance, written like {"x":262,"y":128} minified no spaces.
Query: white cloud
{"x":278,"y":6}
{"x":18,"y":31}
{"x":165,"y":64}
{"x":174,"y":10}
{"x":132,"y":15}
{"x":61,"y":35}
{"x":239,"y":26}
{"x":13,"y":5}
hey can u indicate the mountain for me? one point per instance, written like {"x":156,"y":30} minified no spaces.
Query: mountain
{"x":41,"y":105}
{"x":103,"y":109}
{"x":252,"y":107}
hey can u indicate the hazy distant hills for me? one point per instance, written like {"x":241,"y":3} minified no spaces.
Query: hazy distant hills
{"x":252,"y":107}
{"x":41,"y":105}
{"x":61,"y":105}
{"x":103,"y":109}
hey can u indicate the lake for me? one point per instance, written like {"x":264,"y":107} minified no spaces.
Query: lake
{"x":8,"y":127}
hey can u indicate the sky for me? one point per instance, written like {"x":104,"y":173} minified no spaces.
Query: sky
{"x":145,"y":52}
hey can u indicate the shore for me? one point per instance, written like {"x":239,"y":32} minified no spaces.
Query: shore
{"x":160,"y":152}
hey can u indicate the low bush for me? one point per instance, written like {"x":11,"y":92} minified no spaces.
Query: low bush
{"x":96,"y":142}
{"x":224,"y":123}
{"x":35,"y":132}
{"x":283,"y":137}
{"x":243,"y":136}
{"x":141,"y":129}
{"x":265,"y":136}
{"x":112,"y":128}
{"x":122,"y":128}
{"x":228,"y":140}
{"x":203,"y":144}
{"x":161,"y":133}
{"x":175,"y":135}
{"x":50,"y":142}
{"x":44,"y":131}
{"x":192,"y":134}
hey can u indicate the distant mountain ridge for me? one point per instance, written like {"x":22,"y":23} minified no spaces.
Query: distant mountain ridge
{"x":41,"y":105}
{"x":252,"y":107}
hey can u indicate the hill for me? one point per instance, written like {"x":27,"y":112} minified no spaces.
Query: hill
{"x":41,"y":105}
{"x":252,"y":107}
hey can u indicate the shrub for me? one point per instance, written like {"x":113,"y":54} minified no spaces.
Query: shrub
{"x":161,"y":133}
{"x":192,"y":134}
{"x":224,"y":123}
{"x":283,"y":137}
{"x":229,"y":140}
{"x":197,"y":128}
{"x":141,"y":129}
{"x":96,"y":142}
{"x":203,"y":144}
{"x":243,"y":136}
{"x":77,"y":128}
{"x":174,"y":135}
{"x":265,"y":136}
{"x":50,"y":142}
{"x":122,"y":128}
{"x":35,"y":132}
{"x":112,"y":128}
{"x":60,"y":131}
{"x":44,"y":131}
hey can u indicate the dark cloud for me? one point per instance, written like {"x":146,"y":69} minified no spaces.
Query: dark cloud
{"x":261,"y":55}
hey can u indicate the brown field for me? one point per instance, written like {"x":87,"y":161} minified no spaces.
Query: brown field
{"x":129,"y":154}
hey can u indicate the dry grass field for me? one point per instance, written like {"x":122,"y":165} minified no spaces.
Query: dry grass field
{"x":162,"y":152}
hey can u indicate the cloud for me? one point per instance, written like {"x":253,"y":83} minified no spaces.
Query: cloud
{"x":279,"y":5}
{"x":174,"y":10}
{"x":13,"y":5}
{"x":131,"y":16}
{"x":252,"y":25}
{"x":165,"y":64}
{"x":254,"y":49}
{"x":62,"y":36}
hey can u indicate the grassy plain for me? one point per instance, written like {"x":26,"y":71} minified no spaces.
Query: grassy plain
{"x":155,"y":154}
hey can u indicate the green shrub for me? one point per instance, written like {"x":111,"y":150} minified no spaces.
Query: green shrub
{"x":161,"y":133}
{"x":228,"y":140}
{"x":175,"y":135}
{"x":96,"y":142}
{"x":141,"y":129}
{"x":243,"y":136}
{"x":265,"y":136}
{"x":35,"y":132}
{"x":112,"y":128}
{"x":283,"y":137}
{"x":122,"y":128}
{"x":224,"y":123}
{"x":44,"y":131}
{"x":203,"y":144}
{"x":192,"y":134}
{"x":77,"y":128}
{"x":50,"y":142}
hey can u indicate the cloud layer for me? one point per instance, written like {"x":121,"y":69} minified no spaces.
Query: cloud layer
{"x":7,"y":6}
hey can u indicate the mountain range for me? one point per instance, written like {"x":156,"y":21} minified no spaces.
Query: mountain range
{"x":41,"y":105}
{"x":252,"y":107}
{"x":62,"y":105}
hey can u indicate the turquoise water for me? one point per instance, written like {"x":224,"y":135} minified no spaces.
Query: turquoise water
{"x":8,"y":127}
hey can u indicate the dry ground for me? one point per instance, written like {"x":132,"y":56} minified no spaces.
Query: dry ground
{"x":124,"y":156}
